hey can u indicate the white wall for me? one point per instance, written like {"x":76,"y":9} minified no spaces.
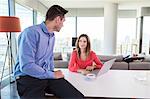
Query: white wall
{"x":86,"y":12}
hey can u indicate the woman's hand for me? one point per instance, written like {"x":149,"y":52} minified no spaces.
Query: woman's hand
{"x":90,"y":68}
{"x":83,"y":71}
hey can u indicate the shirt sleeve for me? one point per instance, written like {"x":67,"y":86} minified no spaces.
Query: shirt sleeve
{"x":99,"y":64}
{"x":73,"y":66}
{"x":27,"y":56}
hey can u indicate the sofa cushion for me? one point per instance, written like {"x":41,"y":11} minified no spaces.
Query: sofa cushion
{"x":120,"y":66}
{"x":57,"y":56}
{"x":105,"y":58}
{"x":139,"y":65}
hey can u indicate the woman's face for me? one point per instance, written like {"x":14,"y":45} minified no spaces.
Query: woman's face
{"x":82,"y":43}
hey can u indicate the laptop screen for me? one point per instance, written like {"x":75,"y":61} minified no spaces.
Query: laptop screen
{"x":105,"y":68}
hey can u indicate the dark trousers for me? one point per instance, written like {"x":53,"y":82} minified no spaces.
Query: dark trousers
{"x":32,"y":88}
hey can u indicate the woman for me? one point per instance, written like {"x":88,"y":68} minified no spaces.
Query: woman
{"x":83,"y":60}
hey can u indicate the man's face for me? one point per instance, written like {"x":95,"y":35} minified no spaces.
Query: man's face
{"x":59,"y":23}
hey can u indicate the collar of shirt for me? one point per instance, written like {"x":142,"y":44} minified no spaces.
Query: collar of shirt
{"x":45,"y":30}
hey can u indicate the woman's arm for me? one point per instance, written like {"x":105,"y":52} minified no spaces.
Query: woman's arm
{"x":73,"y":66}
{"x":96,"y":62}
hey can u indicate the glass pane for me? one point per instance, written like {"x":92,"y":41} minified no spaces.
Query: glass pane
{"x":64,"y":37}
{"x":94,"y":28}
{"x":40,"y":18}
{"x":146,"y":36}
{"x":138,"y":20}
{"x":25,"y":15}
{"x":3,"y":40}
{"x":3,"y":7}
{"x":126,"y":36}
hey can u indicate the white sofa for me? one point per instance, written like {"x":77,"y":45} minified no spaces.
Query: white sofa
{"x":119,"y":64}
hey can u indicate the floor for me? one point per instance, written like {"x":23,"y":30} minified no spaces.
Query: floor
{"x":9,"y":92}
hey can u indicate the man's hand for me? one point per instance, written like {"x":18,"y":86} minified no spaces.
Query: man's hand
{"x":58,"y":74}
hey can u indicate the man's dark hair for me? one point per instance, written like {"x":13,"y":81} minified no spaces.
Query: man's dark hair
{"x":55,"y":11}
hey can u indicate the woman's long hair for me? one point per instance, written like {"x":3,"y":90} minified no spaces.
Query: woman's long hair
{"x":88,"y":47}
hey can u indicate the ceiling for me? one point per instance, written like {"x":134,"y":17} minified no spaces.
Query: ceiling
{"x":123,"y":4}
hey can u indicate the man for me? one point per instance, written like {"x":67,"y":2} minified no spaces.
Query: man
{"x":34,"y":69}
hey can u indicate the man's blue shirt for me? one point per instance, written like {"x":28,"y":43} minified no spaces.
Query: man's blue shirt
{"x":35,"y":53}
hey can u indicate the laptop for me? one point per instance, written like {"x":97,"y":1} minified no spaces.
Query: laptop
{"x":105,"y":68}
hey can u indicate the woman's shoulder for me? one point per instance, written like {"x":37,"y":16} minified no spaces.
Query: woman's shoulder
{"x":92,"y":52}
{"x":74,"y":52}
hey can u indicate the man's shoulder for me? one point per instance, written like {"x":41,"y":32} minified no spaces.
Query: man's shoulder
{"x":33,"y":29}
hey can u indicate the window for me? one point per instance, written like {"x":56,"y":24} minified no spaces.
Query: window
{"x":40,"y":18}
{"x":3,"y":41}
{"x":25,"y":15}
{"x":94,"y":28}
{"x":146,"y":35}
{"x":126,"y":36}
{"x":4,"y":7}
{"x":64,"y":37}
